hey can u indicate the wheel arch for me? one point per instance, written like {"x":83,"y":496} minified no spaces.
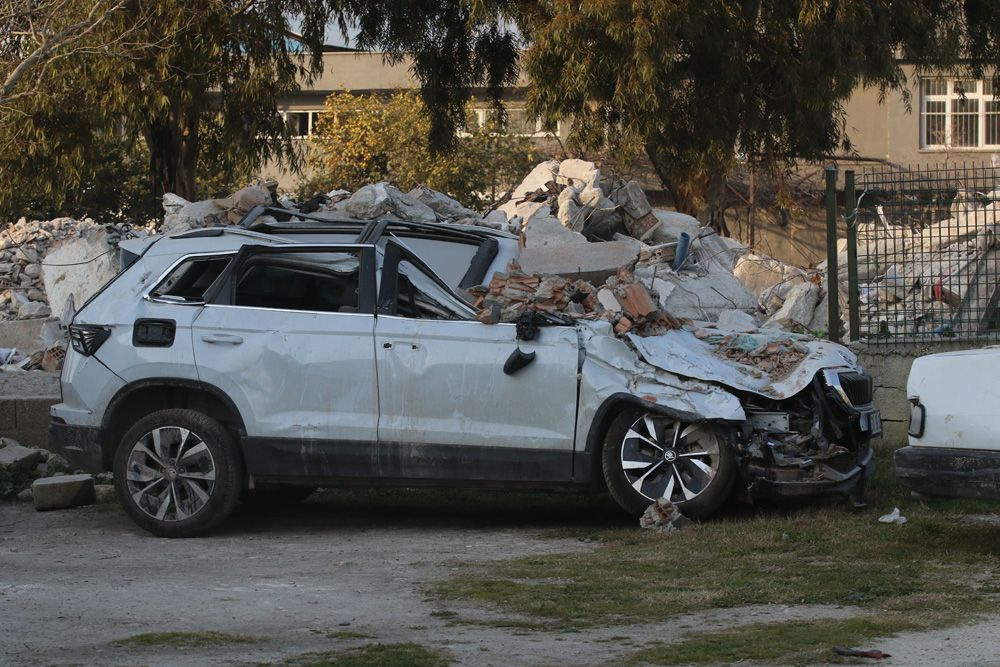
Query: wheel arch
{"x":138,"y":399}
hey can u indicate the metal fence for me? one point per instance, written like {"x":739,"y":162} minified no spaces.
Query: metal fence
{"x":927,"y":258}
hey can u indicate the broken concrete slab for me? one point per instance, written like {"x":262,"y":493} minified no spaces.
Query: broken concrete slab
{"x":594,"y":262}
{"x":382,"y":199}
{"x":63,"y":492}
{"x":759,"y":273}
{"x":537,"y":178}
{"x":546,"y":231}
{"x":798,"y":309}
{"x":445,"y":207}
{"x":578,"y":173}
{"x":571,"y":215}
{"x":13,"y":456}
{"x":697,"y":296}
{"x":672,"y":224}
{"x":632,"y":200}
{"x":78,"y":268}
{"x":737,"y":320}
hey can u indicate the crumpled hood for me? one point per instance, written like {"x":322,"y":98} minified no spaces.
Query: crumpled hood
{"x":701,"y":353}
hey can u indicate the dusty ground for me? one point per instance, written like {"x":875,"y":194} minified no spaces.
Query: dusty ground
{"x":73,"y":583}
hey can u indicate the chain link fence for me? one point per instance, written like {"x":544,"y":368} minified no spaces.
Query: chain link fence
{"x":928,"y":262}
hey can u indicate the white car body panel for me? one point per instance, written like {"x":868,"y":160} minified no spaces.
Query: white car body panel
{"x":960,"y":394}
{"x":292,"y":374}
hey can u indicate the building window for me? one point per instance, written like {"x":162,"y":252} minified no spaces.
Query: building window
{"x":958,"y":113}
{"x":301,"y":123}
{"x":518,"y":121}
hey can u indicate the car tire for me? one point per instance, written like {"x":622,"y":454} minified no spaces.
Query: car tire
{"x":178,"y":473}
{"x":276,"y":496}
{"x":693,"y":462}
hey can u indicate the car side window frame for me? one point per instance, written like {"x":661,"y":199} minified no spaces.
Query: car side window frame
{"x":224,"y":290}
{"x":389,"y":286}
{"x":148,"y":293}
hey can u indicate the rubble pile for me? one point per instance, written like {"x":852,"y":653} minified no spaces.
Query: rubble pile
{"x":774,"y":353}
{"x":938,"y":278}
{"x":622,"y":301}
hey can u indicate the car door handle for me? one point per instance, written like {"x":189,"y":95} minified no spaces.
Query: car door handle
{"x":387,"y":346}
{"x":222,"y":338}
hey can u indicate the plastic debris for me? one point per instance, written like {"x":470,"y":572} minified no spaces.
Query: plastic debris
{"x":893,"y":517}
{"x":874,"y":654}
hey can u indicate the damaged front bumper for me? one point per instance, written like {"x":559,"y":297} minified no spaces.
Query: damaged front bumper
{"x":816,"y":443}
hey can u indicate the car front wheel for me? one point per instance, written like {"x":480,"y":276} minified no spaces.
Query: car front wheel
{"x":178,"y":473}
{"x":648,"y":456}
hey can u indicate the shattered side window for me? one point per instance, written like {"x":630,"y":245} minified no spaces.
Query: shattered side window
{"x":420,"y":297}
{"x":317,"y":281}
{"x":189,"y":281}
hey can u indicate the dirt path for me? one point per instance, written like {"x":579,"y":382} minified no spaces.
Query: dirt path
{"x":72,"y":583}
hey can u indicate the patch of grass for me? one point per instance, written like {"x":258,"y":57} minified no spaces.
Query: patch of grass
{"x":348,"y":634}
{"x":812,"y":553}
{"x":376,"y":655}
{"x":795,"y":642}
{"x":185,"y":639}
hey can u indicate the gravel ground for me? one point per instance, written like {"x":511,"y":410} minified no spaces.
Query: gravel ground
{"x":75,"y":582}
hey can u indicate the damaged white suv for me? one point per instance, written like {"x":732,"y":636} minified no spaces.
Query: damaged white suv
{"x":314,"y":352}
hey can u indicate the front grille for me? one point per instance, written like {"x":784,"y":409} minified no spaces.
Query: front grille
{"x":857,"y":386}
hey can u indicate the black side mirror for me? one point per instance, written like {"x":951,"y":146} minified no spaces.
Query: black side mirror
{"x":517,"y":360}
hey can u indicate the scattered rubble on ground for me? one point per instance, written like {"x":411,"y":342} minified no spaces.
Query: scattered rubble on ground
{"x":663,"y":517}
{"x":21,"y":467}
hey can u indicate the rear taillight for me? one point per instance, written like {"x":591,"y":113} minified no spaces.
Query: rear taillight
{"x":87,"y":338}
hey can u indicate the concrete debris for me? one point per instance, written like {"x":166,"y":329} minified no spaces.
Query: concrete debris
{"x":664,"y":517}
{"x":382,"y":200}
{"x":63,"y":492}
{"x":104,"y":493}
{"x":737,"y":320}
{"x":798,"y":309}
{"x":546,"y":231}
{"x":622,"y":301}
{"x":14,"y":457}
{"x":777,"y":354}
{"x":591,"y":261}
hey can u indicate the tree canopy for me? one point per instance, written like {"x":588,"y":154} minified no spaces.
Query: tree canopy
{"x":366,"y":139}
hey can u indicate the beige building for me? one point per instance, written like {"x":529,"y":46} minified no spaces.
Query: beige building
{"x":950,"y":119}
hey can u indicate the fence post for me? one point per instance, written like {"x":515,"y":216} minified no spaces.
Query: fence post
{"x":853,"y":304}
{"x":832,"y":287}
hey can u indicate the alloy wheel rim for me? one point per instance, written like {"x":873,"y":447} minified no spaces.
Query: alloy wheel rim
{"x":170,"y":473}
{"x":662,"y":457}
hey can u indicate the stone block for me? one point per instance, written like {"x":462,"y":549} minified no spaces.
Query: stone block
{"x":13,"y":456}
{"x":798,"y":309}
{"x":65,"y":491}
{"x":546,"y":231}
{"x":595,"y":262}
{"x":632,"y":200}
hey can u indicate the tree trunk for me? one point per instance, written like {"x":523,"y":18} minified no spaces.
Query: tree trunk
{"x":697,"y":192}
{"x":173,"y":142}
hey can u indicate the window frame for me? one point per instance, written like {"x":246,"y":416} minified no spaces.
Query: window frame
{"x":395,"y":253}
{"x":312,"y":118}
{"x":148,"y":293}
{"x":224,"y":289}
{"x":481,"y":114}
{"x":949,"y":98}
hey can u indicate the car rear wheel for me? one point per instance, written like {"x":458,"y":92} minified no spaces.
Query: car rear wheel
{"x":648,"y":456}
{"x":178,"y":473}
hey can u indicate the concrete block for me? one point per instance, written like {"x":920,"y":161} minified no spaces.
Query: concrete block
{"x":798,"y":309}
{"x":736,"y":320}
{"x":53,"y":493}
{"x":546,"y":231}
{"x":21,"y":334}
{"x":14,"y":456}
{"x":595,"y":262}
{"x":8,"y":416}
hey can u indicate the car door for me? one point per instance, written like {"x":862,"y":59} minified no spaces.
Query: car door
{"x":288,"y":336}
{"x":447,"y":408}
